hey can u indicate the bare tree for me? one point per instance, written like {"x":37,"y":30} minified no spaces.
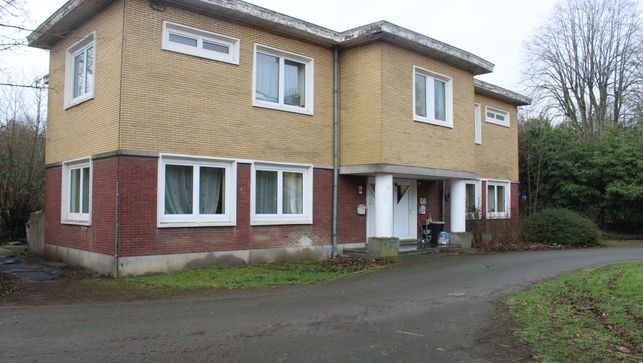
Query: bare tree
{"x":12,"y":24}
{"x":584,"y":63}
{"x":21,"y":157}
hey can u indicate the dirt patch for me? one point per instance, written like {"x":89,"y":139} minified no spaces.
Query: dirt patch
{"x":8,"y":284}
{"x":497,"y":342}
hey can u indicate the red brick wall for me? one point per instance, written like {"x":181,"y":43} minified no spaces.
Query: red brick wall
{"x":99,"y":237}
{"x":432,"y":190}
{"x":140,"y":236}
{"x":351,"y":227}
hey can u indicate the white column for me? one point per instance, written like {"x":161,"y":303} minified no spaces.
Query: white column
{"x":383,"y":205}
{"x":458,"y":206}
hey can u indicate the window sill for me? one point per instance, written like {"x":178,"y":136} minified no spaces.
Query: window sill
{"x":280,"y":221}
{"x":76,"y":222}
{"x":432,"y":122}
{"x":492,"y":216}
{"x":280,"y":107}
{"x":503,"y":124}
{"x":77,"y":101}
{"x":196,"y":224}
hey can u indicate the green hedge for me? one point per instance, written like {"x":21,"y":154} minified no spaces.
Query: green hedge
{"x":559,"y":226}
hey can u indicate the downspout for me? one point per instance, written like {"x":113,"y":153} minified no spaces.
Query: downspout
{"x":335,"y":145}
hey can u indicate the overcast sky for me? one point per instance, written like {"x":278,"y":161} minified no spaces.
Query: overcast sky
{"x":492,"y":29}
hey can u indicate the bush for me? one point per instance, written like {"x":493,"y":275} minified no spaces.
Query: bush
{"x":559,"y":226}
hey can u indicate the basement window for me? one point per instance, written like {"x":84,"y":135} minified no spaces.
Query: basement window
{"x":200,"y":43}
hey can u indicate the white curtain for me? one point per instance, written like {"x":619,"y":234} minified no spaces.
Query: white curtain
{"x":420,"y":95}
{"x":440,"y":100}
{"x":267,"y":78}
{"x":294,"y":83}
{"x":178,"y":189}
{"x":500,"y":190}
{"x":89,"y":75}
{"x":491,"y":198}
{"x":74,"y":191}
{"x":211,"y":190}
{"x":85,"y":182}
{"x":79,"y":74}
{"x":293,"y":202}
{"x":266,"y":192}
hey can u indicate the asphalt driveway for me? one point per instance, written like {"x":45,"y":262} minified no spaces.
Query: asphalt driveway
{"x":429,"y":309}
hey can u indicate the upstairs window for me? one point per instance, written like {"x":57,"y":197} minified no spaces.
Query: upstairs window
{"x":283,"y":80}
{"x":200,"y":43}
{"x":79,"y":73}
{"x":496,"y":116}
{"x":76,"y":192}
{"x":432,"y":98}
{"x":497,"y":199}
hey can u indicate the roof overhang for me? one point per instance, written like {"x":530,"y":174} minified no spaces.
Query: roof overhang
{"x":503,"y":94}
{"x":63,"y":21}
{"x":74,"y":12}
{"x":406,"y":171}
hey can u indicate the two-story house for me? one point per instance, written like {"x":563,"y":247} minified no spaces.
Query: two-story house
{"x":209,"y":132}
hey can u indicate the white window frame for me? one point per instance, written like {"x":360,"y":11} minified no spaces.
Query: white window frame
{"x":79,"y":47}
{"x":478,"y":197}
{"x":498,"y":215}
{"x":228,"y":218}
{"x":200,"y":36}
{"x":497,"y":111}
{"x":477,"y":125}
{"x":430,"y":103}
{"x":283,"y":55}
{"x":66,"y":216}
{"x":279,"y":218}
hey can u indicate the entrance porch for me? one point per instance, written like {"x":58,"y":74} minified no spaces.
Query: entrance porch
{"x":409,"y":206}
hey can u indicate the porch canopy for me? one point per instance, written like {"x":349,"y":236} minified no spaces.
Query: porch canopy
{"x":384,"y":189}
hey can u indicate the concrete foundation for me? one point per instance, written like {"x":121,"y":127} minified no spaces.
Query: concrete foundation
{"x":36,"y":233}
{"x":461,"y":238}
{"x":383,"y":246}
{"x":142,"y":265}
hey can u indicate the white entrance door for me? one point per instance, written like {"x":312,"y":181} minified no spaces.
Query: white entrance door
{"x":404,"y":209}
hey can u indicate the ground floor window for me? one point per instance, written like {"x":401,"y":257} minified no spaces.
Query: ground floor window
{"x":281,"y":194}
{"x":196,"y":192}
{"x":473,"y":199}
{"x":76,"y":191}
{"x":497,"y":199}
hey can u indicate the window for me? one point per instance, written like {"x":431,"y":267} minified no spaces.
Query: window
{"x":196,"y":192}
{"x":496,"y":116}
{"x":432,"y":98}
{"x":497,"y":199}
{"x":79,"y":72}
{"x":200,"y":43}
{"x":282,"y":80}
{"x":473,"y":199}
{"x":477,"y":125}
{"x":281,"y":194}
{"x":76,"y":192}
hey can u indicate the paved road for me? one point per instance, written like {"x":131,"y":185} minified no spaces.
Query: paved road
{"x":429,"y":309}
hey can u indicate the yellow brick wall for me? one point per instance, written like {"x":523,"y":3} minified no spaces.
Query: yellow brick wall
{"x":497,"y":156}
{"x":178,"y":103}
{"x":360,"y":106}
{"x":91,"y":127}
{"x":408,"y":142}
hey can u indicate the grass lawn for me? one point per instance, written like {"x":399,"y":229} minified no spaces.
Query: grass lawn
{"x":242,"y":277}
{"x":586,"y":316}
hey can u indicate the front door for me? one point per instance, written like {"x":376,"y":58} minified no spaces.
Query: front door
{"x":404,"y":209}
